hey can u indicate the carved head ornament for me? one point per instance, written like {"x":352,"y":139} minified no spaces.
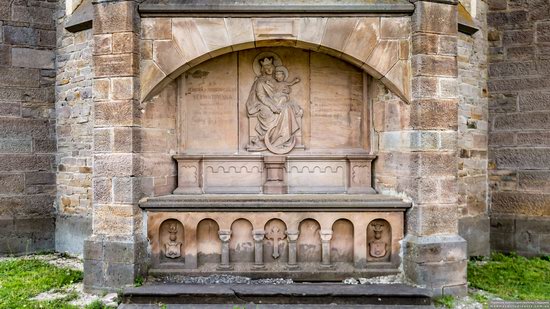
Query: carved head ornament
{"x":266,"y":61}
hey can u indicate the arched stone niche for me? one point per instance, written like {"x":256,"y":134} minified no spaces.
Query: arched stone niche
{"x":241,"y":244}
{"x":171,"y":242}
{"x":208,"y":243}
{"x":275,"y":242}
{"x":309,"y":242}
{"x":318,"y":121}
{"x":213,"y":96}
{"x":379,"y":243}
{"x":341,"y":244}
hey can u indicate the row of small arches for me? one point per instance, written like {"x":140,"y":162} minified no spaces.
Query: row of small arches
{"x":241,"y":243}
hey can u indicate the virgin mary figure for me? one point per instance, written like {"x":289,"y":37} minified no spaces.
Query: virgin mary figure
{"x":269,"y":101}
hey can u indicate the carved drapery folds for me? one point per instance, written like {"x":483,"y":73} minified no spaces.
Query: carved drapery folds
{"x":279,"y":117}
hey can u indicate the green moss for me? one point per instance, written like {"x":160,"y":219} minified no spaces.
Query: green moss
{"x":512,"y":277}
{"x":22,"y":279}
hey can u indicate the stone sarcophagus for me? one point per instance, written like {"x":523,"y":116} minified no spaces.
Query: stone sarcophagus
{"x":274,"y":172}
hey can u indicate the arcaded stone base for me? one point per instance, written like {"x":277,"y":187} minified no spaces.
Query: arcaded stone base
{"x":24,"y":236}
{"x":525,"y":235}
{"x":303,"y":237}
{"x":437,"y":262}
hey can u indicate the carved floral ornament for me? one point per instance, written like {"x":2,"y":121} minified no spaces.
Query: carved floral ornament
{"x":279,"y":117}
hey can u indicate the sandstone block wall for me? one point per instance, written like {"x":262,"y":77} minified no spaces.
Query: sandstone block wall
{"x":74,"y":116}
{"x":27,"y":126}
{"x":519,"y":125}
{"x":472,"y":132}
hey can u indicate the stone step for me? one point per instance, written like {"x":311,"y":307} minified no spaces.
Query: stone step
{"x":314,"y":294}
{"x":269,"y":306}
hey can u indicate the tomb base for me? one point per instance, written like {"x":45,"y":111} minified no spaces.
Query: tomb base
{"x":304,"y":237}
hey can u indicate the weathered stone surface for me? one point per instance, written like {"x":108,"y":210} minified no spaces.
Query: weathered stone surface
{"x":32,"y":58}
{"x":363,"y":39}
{"x":383,"y":58}
{"x":156,"y":28}
{"x":434,"y":114}
{"x":521,"y":203}
{"x":115,"y":65}
{"x":111,"y":17}
{"x":167,"y":56}
{"x":442,"y":273}
{"x":337,"y":32}
{"x":116,"y":113}
{"x":425,"y":65}
{"x":395,"y":28}
{"x":476,"y":232}
{"x":434,"y":18}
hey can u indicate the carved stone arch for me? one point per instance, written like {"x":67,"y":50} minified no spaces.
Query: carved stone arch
{"x":342,"y":242}
{"x":209,"y":244}
{"x":309,"y":241}
{"x":171,"y":241}
{"x":241,"y":243}
{"x":357,"y":41}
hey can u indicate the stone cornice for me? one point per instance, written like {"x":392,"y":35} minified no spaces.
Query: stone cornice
{"x":288,"y":7}
{"x":452,"y":2}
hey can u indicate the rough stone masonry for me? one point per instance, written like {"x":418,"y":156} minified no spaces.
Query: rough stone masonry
{"x":451,"y":97}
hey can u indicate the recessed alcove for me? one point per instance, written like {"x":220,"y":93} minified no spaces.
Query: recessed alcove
{"x":268,"y":152}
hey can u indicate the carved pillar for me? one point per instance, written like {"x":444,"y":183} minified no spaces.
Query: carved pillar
{"x":326,"y":236}
{"x":258,"y":236}
{"x":225,"y":235}
{"x":275,"y":167}
{"x":292,"y":237}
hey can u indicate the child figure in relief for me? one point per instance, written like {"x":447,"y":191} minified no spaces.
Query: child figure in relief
{"x":281,"y":93}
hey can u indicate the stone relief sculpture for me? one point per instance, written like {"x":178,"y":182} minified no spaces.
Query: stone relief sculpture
{"x":377,"y":247}
{"x":173,"y":247}
{"x":269,"y":101}
{"x":276,"y":235}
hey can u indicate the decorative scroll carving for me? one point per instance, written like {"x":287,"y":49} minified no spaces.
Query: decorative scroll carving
{"x":279,"y":117}
{"x":173,"y":247}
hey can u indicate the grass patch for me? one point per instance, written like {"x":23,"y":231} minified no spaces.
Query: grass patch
{"x":22,"y":279}
{"x":512,"y":277}
{"x":445,"y":301}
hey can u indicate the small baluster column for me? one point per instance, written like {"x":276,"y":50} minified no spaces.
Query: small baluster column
{"x":326,"y":236}
{"x":225,"y":236}
{"x":258,"y":236}
{"x":292,"y":237}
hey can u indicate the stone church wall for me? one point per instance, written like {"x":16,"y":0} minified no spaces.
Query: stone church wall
{"x":519,"y":125}
{"x":74,"y":135}
{"x":27,"y":126}
{"x":472,"y":132}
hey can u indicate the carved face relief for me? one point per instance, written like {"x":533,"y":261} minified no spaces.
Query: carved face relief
{"x":279,"y":117}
